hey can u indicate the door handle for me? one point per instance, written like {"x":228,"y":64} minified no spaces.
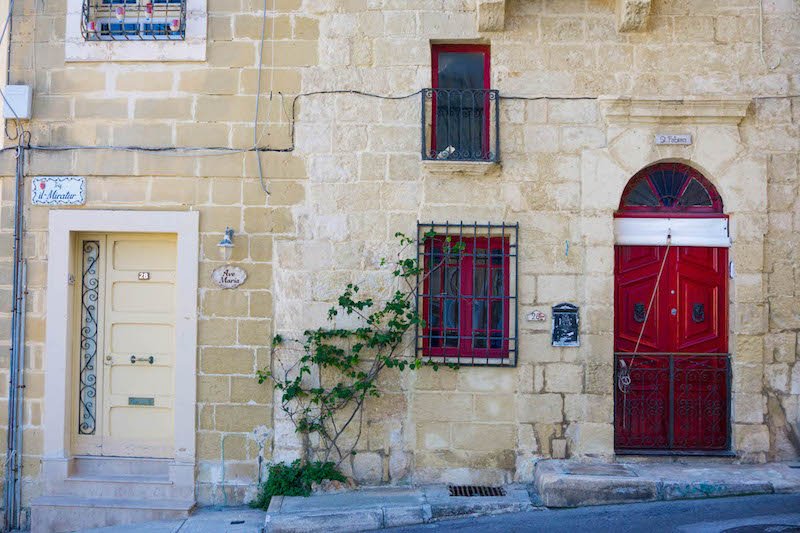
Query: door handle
{"x":148,"y":359}
{"x":638,"y":312}
{"x":698,"y":313}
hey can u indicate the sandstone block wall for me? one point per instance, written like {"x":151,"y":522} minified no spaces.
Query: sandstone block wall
{"x":356,"y":178}
{"x":181,"y":104}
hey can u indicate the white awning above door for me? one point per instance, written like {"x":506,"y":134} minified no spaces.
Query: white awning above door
{"x":711,"y":232}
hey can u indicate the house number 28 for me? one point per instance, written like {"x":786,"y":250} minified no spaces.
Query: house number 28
{"x":144,"y":276}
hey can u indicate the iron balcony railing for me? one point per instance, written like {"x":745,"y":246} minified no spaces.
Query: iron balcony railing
{"x":460,"y":125}
{"x":133,"y":20}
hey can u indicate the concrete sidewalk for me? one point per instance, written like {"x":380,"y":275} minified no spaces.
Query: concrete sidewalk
{"x":564,"y":483}
{"x":569,"y":483}
{"x":377,"y":508}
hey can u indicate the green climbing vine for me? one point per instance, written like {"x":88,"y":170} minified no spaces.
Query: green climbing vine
{"x":325,"y":378}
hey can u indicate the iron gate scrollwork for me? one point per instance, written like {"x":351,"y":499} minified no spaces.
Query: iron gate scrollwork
{"x":90,"y":295}
{"x":673,"y":402}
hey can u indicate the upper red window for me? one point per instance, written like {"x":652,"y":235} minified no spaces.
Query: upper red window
{"x":460,"y":66}
{"x":672,"y":189}
{"x":468,"y":297}
{"x":461,"y":102}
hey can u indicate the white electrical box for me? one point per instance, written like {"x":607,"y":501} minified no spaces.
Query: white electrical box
{"x":18,"y":98}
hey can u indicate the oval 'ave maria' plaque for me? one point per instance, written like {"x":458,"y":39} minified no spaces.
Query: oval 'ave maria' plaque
{"x":229,"y":277}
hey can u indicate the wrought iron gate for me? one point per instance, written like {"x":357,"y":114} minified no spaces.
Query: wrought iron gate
{"x":672,"y":402}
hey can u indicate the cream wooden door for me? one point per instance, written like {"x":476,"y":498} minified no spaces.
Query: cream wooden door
{"x":126,"y":407}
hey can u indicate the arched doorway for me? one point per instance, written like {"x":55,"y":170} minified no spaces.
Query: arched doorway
{"x":672,"y":369}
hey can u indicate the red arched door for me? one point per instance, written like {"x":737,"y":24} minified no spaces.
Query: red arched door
{"x":671,"y":340}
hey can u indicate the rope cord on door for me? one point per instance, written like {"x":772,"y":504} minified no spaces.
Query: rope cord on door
{"x":624,"y":375}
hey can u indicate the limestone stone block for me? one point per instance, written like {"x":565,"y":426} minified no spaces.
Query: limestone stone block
{"x":784,"y":313}
{"x":484,"y":437}
{"x":446,"y":406}
{"x":213,"y":389}
{"x":749,"y":349}
{"x":782,"y":168}
{"x":781,"y":347}
{"x":368,"y":467}
{"x":526,"y":439}
{"x":749,"y":287}
{"x":747,"y":378}
{"x":538,"y":378}
{"x":555,"y":289}
{"x":559,"y":448}
{"x":241,"y":418}
{"x":777,"y":377}
{"x":751,"y":319}
{"x":563,"y":377}
{"x":589,"y":407}
{"x":541,"y":138}
{"x":546,"y":408}
{"x":227,"y":360}
{"x":632,"y":15}
{"x":486,"y":379}
{"x":587,"y":438}
{"x":495,"y":408}
{"x":749,"y":408}
{"x":536,"y":348}
{"x":77,"y":81}
{"x":399,"y":465}
{"x":491,"y":15}
{"x":247,"y":390}
{"x":216,"y":332}
{"x":751,"y":438}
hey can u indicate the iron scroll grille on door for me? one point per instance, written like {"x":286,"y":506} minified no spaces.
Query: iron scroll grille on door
{"x":90,"y":297}
{"x":133,"y":20}
{"x":467,"y":294}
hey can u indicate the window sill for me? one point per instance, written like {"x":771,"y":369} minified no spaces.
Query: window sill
{"x":462,"y":168}
{"x":192,"y":48}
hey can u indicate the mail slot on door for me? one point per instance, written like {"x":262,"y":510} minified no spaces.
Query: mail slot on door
{"x":141,"y":401}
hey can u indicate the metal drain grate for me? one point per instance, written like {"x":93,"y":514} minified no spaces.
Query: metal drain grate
{"x":475,"y":490}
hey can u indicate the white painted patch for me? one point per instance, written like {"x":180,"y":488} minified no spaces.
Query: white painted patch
{"x":683,"y":231}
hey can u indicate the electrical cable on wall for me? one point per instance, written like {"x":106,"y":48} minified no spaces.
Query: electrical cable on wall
{"x":256,"y":138}
{"x":215,"y":151}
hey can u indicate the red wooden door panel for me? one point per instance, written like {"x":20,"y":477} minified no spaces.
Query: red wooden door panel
{"x":677,"y":398}
{"x":702,"y":318}
{"x":636,"y":272}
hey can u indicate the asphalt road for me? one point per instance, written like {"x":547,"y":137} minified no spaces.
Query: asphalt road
{"x":748,"y":514}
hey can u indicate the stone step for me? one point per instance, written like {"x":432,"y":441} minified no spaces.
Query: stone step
{"x":57,"y":514}
{"x":120,"y":486}
{"x":88,"y":465}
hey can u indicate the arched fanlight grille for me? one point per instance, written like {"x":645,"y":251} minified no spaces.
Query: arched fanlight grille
{"x":672,"y":188}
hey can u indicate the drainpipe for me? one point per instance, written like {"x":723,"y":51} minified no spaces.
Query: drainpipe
{"x":12,"y":493}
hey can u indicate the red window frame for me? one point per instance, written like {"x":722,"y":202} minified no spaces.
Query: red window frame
{"x":484,"y":49}
{"x":465,"y":260}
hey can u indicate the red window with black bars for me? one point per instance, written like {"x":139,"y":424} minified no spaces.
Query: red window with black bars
{"x":459,"y":112}
{"x":468,"y":293}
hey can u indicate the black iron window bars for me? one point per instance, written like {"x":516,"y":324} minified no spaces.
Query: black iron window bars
{"x":133,"y":20}
{"x":460,"y":125}
{"x":467,"y":293}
